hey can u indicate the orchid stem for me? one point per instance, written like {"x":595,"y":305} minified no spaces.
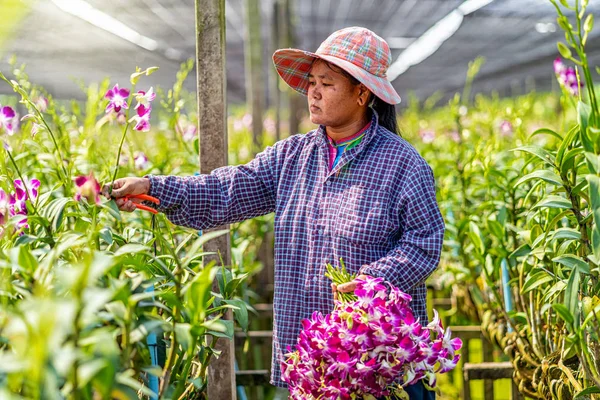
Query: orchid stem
{"x":119,"y":156}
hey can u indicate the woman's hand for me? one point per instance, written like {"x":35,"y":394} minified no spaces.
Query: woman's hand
{"x":126,"y":187}
{"x":347,"y":287}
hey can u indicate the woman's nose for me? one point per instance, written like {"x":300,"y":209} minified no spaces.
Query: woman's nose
{"x":314,"y":92}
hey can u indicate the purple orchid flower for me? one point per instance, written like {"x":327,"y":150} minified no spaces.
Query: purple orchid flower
{"x":27,"y":190}
{"x":428,"y":136}
{"x":117,"y":99}
{"x":140,"y":160}
{"x":41,"y":103}
{"x":186,"y":129}
{"x":506,"y":128}
{"x":142,"y":119}
{"x":567,"y":77}
{"x":359,"y":349}
{"x":9,"y":121}
{"x":18,"y":207}
{"x":145,"y":98}
{"x":4,"y":207}
{"x":88,"y":188}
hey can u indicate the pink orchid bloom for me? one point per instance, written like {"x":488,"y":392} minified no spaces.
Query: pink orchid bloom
{"x":145,"y":98}
{"x":9,"y":121}
{"x":506,"y":128}
{"x":142,"y":119}
{"x":428,"y":136}
{"x":140,"y":160}
{"x":186,"y":129}
{"x":88,"y":188}
{"x":41,"y":103}
{"x":4,"y":207}
{"x":117,"y":99}
{"x":17,"y":207}
{"x":27,"y":190}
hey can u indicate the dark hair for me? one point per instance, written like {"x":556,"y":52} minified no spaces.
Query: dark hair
{"x":385,"y":111}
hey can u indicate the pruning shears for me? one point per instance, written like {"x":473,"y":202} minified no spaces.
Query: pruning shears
{"x":145,"y":197}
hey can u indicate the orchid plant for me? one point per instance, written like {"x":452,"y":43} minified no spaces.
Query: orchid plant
{"x":76,"y":313}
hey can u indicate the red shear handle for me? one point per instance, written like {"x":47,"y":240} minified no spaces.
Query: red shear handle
{"x":144,"y":197}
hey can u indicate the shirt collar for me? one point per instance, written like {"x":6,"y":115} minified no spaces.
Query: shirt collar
{"x":349,"y":139}
{"x":371,"y":128}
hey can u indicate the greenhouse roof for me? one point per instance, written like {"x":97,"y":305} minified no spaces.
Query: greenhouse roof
{"x":64,"y":42}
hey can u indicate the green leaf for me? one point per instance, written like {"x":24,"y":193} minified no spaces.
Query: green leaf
{"x":543,"y":174}
{"x":54,"y":211}
{"x":131,"y":248}
{"x":553,"y":201}
{"x":496,"y":228}
{"x":594,"y":190}
{"x":546,"y":131}
{"x":475,"y":235}
{"x":593,"y":162}
{"x":564,"y":50}
{"x":566,"y":143}
{"x":27,"y":260}
{"x":587,"y":391}
{"x":184,"y":336}
{"x":117,"y":309}
{"x":566,"y":164}
{"x":583,"y":118}
{"x":240,"y":312}
{"x":523,"y":250}
{"x":536,"y":279}
{"x":563,"y":312}
{"x":598,"y":70}
{"x":220,"y":328}
{"x":124,"y":379}
{"x":106,"y":235}
{"x":566,"y":233}
{"x":537,"y":151}
{"x":572,"y":294}
{"x":574,"y":262}
{"x":197,"y":292}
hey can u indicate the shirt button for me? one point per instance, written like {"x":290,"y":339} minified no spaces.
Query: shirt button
{"x":320,"y":231}
{"x":315,"y":279}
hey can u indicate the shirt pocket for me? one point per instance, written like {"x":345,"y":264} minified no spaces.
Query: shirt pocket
{"x":363,"y":216}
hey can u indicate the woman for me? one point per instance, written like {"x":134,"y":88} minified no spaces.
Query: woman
{"x":351,"y":189}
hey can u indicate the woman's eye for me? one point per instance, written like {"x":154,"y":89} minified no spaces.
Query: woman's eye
{"x":327,"y":84}
{"x":311,"y":83}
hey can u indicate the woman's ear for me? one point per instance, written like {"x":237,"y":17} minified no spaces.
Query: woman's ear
{"x":363,"y":95}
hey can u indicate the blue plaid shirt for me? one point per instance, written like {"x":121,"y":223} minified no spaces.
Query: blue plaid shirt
{"x":376,"y":209}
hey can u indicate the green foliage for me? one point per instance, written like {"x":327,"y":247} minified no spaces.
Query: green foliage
{"x":83,"y":286}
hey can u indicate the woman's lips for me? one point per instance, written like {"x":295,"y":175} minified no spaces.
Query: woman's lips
{"x":314,"y":108}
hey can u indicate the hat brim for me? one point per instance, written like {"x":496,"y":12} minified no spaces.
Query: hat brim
{"x":294,"y":65}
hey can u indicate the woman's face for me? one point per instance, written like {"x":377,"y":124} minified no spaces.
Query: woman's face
{"x":333,"y":100}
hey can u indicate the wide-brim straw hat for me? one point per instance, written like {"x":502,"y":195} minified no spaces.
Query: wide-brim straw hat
{"x":356,"y":50}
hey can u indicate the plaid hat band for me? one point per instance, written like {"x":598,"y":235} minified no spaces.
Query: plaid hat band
{"x":358,"y":51}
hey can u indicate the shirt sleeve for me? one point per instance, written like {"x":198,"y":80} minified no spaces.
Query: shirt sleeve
{"x":417,"y":253}
{"x":226,"y":195}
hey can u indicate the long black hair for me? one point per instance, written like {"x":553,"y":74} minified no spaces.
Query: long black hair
{"x":385,"y":111}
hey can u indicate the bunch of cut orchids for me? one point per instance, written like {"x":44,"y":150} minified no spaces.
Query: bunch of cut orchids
{"x":371,"y":346}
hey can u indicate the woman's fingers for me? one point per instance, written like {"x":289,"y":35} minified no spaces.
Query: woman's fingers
{"x":347,"y":287}
{"x":126,"y":204}
{"x":334,"y":290}
{"x":126,"y":187}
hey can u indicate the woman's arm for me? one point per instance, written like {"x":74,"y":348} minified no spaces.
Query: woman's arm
{"x":228,"y":194}
{"x":417,"y":252}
